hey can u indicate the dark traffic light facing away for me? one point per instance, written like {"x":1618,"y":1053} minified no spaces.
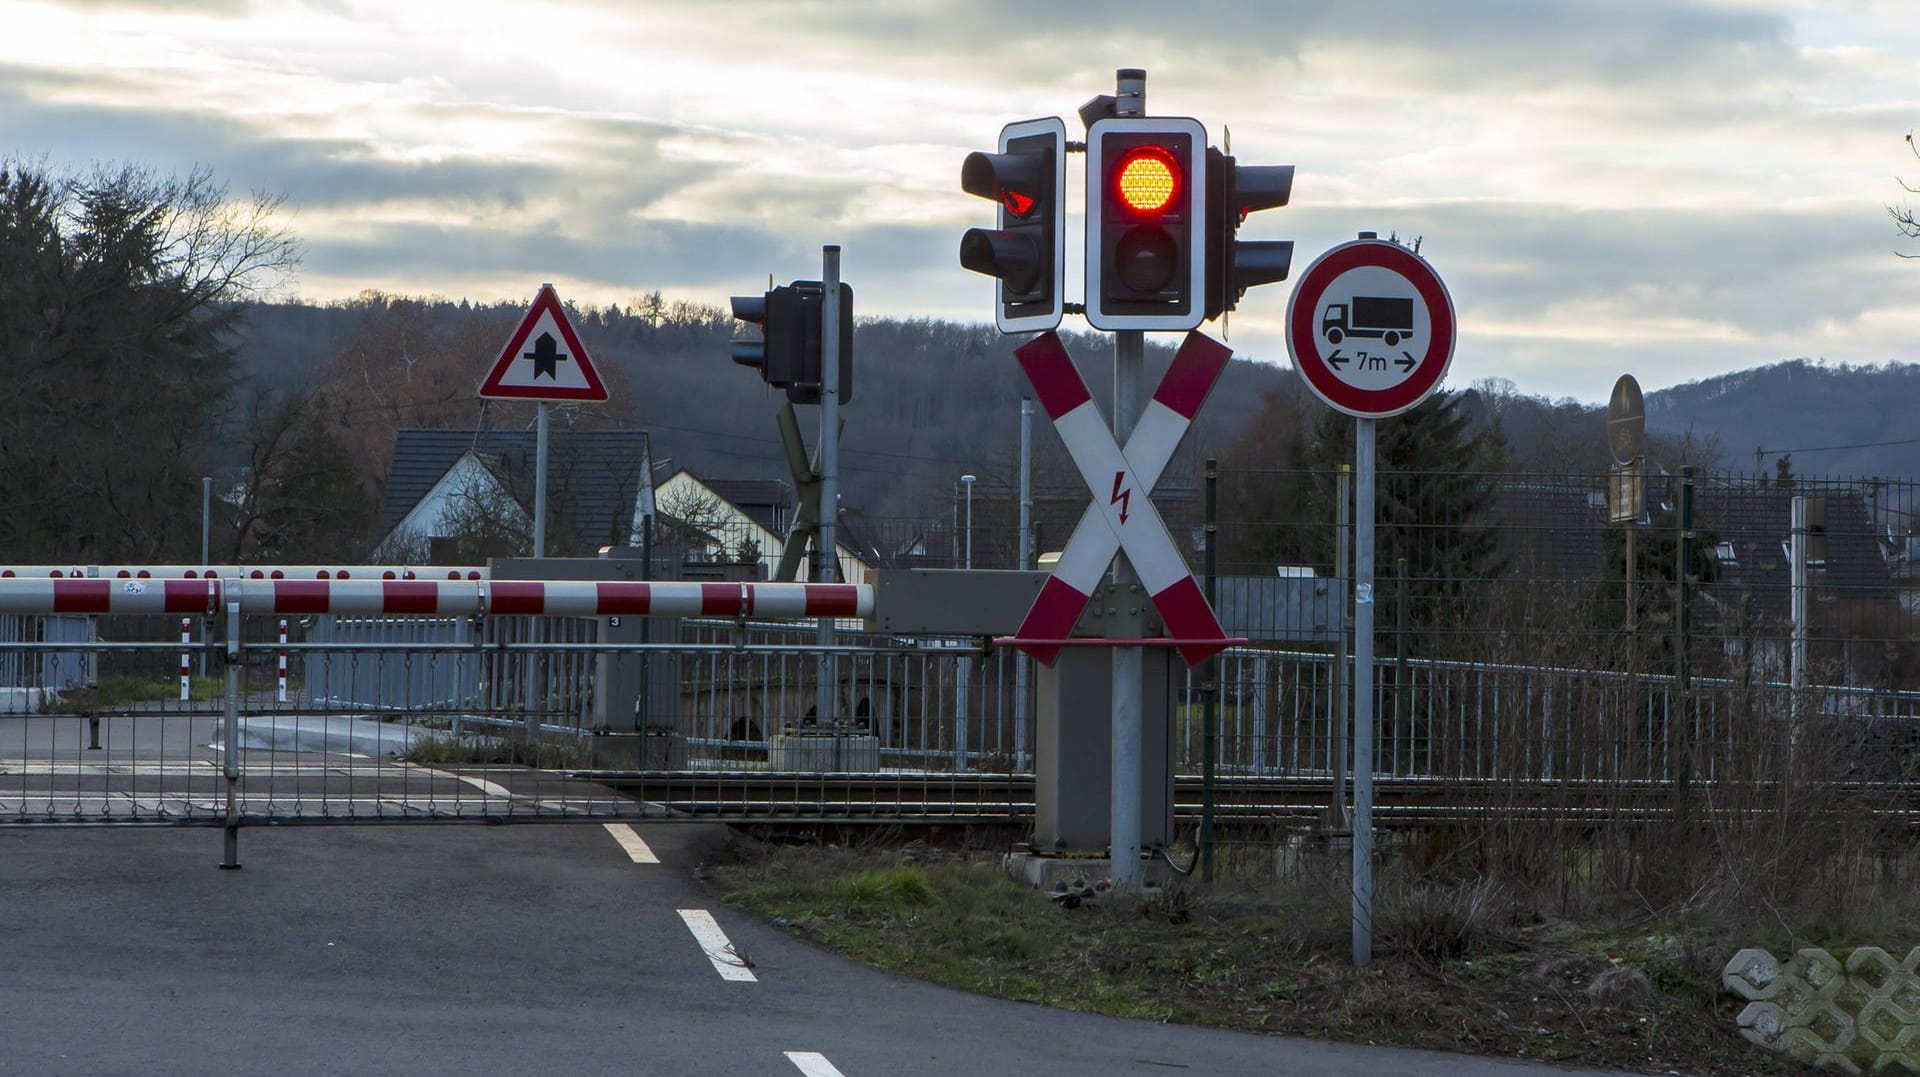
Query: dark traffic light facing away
{"x":1146,"y":223}
{"x":788,"y":351}
{"x":1027,"y":179}
{"x":1233,"y":264}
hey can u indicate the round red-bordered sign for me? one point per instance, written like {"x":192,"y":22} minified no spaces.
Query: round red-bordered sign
{"x":1371,"y":328}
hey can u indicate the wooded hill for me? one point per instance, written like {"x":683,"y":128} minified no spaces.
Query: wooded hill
{"x":932,"y":400}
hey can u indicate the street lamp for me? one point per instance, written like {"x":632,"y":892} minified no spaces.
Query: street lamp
{"x":967,"y":481}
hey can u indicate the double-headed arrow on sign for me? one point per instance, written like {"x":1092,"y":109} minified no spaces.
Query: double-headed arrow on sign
{"x":1121,"y":516}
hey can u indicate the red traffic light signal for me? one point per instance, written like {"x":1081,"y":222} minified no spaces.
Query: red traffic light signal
{"x":1028,"y":179}
{"x":1146,"y":223}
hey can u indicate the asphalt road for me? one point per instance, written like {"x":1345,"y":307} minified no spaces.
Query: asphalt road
{"x":475,"y":950}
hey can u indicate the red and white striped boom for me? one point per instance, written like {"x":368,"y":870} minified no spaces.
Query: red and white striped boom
{"x":244,"y":572}
{"x":356,"y":597}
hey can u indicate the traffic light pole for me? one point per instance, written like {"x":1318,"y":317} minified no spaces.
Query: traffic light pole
{"x":1129,"y":361}
{"x":826,"y":558}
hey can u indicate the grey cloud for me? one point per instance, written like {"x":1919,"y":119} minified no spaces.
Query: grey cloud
{"x":1493,"y":44}
{"x":337,"y":173}
{"x":164,"y":7}
{"x":638,"y":255}
{"x":1768,"y":269}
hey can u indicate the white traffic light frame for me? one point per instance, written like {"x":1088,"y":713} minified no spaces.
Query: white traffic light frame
{"x":1196,"y":225}
{"x":1056,"y":129}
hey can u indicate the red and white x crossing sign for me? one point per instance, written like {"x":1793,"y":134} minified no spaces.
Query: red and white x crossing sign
{"x":1121,"y":516}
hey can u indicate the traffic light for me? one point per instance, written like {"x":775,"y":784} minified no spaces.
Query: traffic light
{"x":1028,"y":180}
{"x":788,"y":351}
{"x":1146,"y":223}
{"x":1234,"y":265}
{"x":779,"y":354}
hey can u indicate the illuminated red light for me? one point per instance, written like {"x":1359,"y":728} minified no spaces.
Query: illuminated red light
{"x":1146,"y":179}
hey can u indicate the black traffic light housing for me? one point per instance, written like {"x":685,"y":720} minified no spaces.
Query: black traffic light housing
{"x":1233,"y":264}
{"x":1027,"y":179}
{"x":1147,"y":186}
{"x":788,"y":353}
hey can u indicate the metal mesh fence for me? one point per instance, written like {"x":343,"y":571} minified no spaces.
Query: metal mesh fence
{"x":1523,"y":670}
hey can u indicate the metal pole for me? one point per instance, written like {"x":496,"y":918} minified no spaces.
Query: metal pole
{"x":1363,"y":510}
{"x":826,"y":700}
{"x":1403,"y":592}
{"x":1209,"y":684}
{"x":540,"y":482}
{"x":1683,"y":632}
{"x":206,"y":520}
{"x":1798,"y":664}
{"x":1129,"y":359}
{"x":1026,"y":480}
{"x":643,"y":706}
{"x":1020,"y":562}
{"x":230,"y":736}
{"x":967,"y":481}
{"x":1342,"y":730}
{"x":206,"y":550}
{"x":1129,"y":362}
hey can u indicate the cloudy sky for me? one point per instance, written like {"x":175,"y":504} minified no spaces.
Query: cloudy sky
{"x":1675,"y":188}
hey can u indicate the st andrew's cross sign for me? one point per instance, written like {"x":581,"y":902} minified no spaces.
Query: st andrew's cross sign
{"x":1121,"y":516}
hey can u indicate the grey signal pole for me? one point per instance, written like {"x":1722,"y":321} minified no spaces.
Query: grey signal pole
{"x":1363,"y":515}
{"x":1129,"y":361}
{"x":827,"y":561}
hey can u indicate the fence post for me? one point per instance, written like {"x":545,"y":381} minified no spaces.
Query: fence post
{"x":1209,"y":682}
{"x":231,"y":736}
{"x":1342,"y":726}
{"x":1683,"y":640}
{"x":186,"y":659}
{"x":1403,"y":737}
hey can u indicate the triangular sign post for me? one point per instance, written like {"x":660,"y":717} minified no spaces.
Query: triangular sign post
{"x":543,"y":360}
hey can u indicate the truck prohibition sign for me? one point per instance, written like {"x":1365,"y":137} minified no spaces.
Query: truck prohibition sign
{"x":1385,"y":318}
{"x":1363,"y":291}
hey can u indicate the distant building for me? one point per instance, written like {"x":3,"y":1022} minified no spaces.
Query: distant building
{"x":737,"y":522}
{"x":461,"y":496}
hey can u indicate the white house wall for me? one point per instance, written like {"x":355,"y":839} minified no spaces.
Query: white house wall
{"x":428,"y":518}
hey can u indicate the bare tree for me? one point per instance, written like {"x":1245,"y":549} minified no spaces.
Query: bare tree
{"x":118,"y":289}
{"x":1903,"y":214}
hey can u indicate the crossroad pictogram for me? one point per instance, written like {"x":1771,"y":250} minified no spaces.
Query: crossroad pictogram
{"x":1121,"y":517}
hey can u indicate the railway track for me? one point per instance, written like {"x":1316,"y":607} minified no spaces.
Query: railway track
{"x":927,"y":798}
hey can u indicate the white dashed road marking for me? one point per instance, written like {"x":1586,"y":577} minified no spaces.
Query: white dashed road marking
{"x":728,"y":962}
{"x":632,"y":842}
{"x":813,"y":1064}
{"x":484,"y":786}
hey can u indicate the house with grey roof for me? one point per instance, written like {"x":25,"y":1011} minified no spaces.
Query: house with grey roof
{"x":739,"y":522}
{"x":461,"y":496}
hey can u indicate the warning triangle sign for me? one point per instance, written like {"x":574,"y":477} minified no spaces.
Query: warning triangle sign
{"x":543,"y":360}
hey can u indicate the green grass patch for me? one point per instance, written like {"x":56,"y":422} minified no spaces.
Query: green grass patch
{"x":117,"y":691}
{"x":1263,"y":954}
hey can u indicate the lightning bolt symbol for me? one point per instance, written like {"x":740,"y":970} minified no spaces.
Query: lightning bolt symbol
{"x":1120,"y":497}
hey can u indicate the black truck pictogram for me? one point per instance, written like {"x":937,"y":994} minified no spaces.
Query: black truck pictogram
{"x":1380,"y":317}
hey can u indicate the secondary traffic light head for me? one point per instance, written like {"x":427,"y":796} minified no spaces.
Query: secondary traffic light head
{"x":780,"y":351}
{"x":1146,"y":220}
{"x":1028,"y":180}
{"x":788,"y":353}
{"x":1234,"y":264}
